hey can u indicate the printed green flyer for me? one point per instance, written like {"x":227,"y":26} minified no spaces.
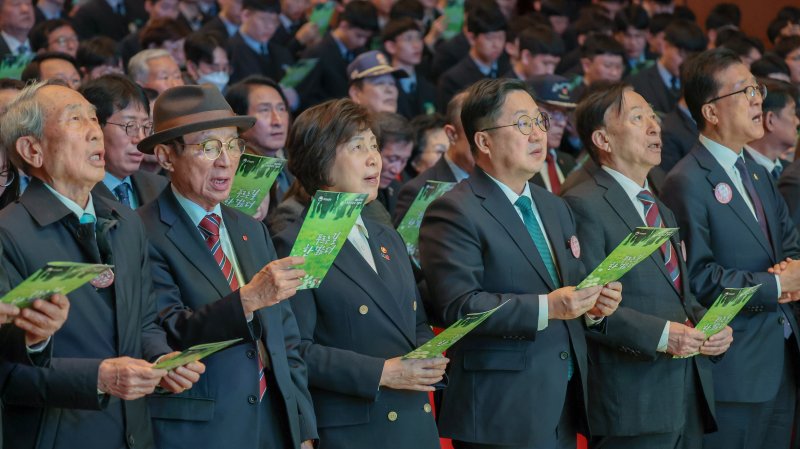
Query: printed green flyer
{"x":321,"y":15}
{"x":448,"y":337}
{"x":725,"y":307}
{"x":195,"y":353}
{"x":252,"y":182}
{"x":454,"y":11}
{"x":12,"y":66}
{"x":55,"y":277}
{"x":296,"y":73}
{"x":328,"y":221}
{"x":409,"y":225}
{"x":636,"y":247}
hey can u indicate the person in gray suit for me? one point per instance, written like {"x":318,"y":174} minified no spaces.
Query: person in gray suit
{"x":640,"y":397}
{"x":519,"y":380}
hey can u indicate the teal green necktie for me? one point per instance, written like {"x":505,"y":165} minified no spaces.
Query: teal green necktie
{"x":524,"y":204}
{"x":87,"y":219}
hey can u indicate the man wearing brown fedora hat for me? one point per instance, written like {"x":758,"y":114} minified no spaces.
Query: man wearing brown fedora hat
{"x":216,"y":278}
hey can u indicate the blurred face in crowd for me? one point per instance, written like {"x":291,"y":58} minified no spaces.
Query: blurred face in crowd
{"x":352,"y":37}
{"x":541,"y":64}
{"x":122,"y":156}
{"x":64,"y":40}
{"x":163,"y":73}
{"x":216,"y":72}
{"x":783,"y":124}
{"x":793,"y":61}
{"x":357,"y":167}
{"x":736,"y":118}
{"x":60,"y":69}
{"x":383,"y":6}
{"x":672,"y":57}
{"x":231,"y":10}
{"x":162,"y":9}
{"x":559,"y":23}
{"x":175,"y":49}
{"x":436,"y":144}
{"x":632,"y":138}
{"x":260,"y":25}
{"x":376,"y":93}
{"x":558,"y":123}
{"x":394,"y":156}
{"x":602,"y":68}
{"x":487,"y":47}
{"x":268,"y":135}
{"x":634,"y":41}
{"x":406,"y":48}
{"x":16,"y":17}
{"x":295,"y":9}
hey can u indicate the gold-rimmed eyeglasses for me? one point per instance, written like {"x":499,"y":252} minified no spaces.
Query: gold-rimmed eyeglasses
{"x":212,"y":148}
{"x":525,"y":124}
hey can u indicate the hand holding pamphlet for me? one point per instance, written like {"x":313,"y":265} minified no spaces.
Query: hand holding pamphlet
{"x":55,"y":277}
{"x":194,"y":354}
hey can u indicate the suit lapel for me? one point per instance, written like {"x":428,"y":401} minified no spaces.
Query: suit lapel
{"x":240,"y":242}
{"x":443,"y":171}
{"x":766,"y":197}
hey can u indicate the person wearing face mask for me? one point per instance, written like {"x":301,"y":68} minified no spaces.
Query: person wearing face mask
{"x":207,"y":60}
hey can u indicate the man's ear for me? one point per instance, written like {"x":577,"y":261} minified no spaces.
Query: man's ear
{"x":768,"y":119}
{"x":30,"y":150}
{"x":353,"y":92}
{"x":164,"y":154}
{"x":709,"y":112}
{"x":482,"y":140}
{"x":451,"y":133}
{"x":600,"y":140}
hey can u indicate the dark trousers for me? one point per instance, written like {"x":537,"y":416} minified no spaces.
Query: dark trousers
{"x":275,"y":433}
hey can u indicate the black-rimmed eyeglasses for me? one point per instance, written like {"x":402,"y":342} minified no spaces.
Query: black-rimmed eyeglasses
{"x":749,"y":92}
{"x":525,"y":124}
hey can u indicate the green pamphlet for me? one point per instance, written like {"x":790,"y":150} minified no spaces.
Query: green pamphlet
{"x":296,"y":73}
{"x":409,"y":225}
{"x":454,"y":11}
{"x":451,"y":335}
{"x":330,"y":218}
{"x":55,"y":277}
{"x":12,"y":66}
{"x":321,"y":15}
{"x":636,"y":247}
{"x":254,"y":177}
{"x":194,"y":354}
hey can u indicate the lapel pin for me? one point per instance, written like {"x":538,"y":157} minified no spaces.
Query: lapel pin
{"x":103,"y":280}
{"x":244,"y":237}
{"x":683,"y":250}
{"x":385,"y":253}
{"x":755,"y":176}
{"x":723,"y":193}
{"x":575,"y":246}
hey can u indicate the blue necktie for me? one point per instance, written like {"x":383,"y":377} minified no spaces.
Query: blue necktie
{"x":776,"y":171}
{"x":532,"y":224}
{"x":123,"y":194}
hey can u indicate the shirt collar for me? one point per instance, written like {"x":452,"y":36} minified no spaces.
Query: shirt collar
{"x":230,"y":27}
{"x":762,"y":160}
{"x":285,"y":21}
{"x":252,"y":43}
{"x":342,"y":48}
{"x":73,"y":206}
{"x":112,"y":181}
{"x":459,"y":173}
{"x":13,"y":43}
{"x":360,"y":222}
{"x":510,"y":194}
{"x":724,"y":155}
{"x":666,"y":76}
{"x":631,"y":188}
{"x":114,"y":3}
{"x":485,"y":69}
{"x":195,"y":211}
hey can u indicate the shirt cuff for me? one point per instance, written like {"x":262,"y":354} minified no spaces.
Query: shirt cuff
{"x":544,"y":312}
{"x":778,"y":283}
{"x":39,"y":347}
{"x":663,"y":342}
{"x":591,"y":322}
{"x":249,"y":317}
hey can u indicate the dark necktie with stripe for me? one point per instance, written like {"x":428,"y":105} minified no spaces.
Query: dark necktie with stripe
{"x":552,"y":172}
{"x":653,"y":219}
{"x":754,"y":198}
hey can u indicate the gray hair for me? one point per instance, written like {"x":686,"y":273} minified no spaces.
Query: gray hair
{"x":23,"y":117}
{"x":138,"y":69}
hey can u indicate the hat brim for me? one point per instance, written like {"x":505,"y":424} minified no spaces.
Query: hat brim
{"x":388,"y":70}
{"x":241,"y":122}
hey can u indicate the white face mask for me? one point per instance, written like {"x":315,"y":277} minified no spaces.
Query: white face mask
{"x":218,"y":79}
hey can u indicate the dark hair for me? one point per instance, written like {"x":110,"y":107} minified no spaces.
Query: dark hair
{"x":786,"y":46}
{"x":199,"y":47}
{"x":97,"y":51}
{"x":602,"y":45}
{"x":780,"y":92}
{"x":742,"y":44}
{"x":238,"y":95}
{"x":698,"y":76}
{"x":486,"y":17}
{"x":518,"y":24}
{"x":659,"y":22}
{"x":791,"y":13}
{"x":273,"y":6}
{"x":32,"y":71}
{"x":590,"y":23}
{"x":360,"y":14}
{"x":483,"y":105}
{"x":724,"y":15}
{"x":554,"y":8}
{"x":396,"y":27}
{"x":420,"y":126}
{"x":315,"y":135}
{"x":685,"y":35}
{"x":775,"y":26}
{"x":633,"y":16}
{"x":769,"y":64}
{"x":541,"y":40}
{"x":684,"y":12}
{"x":158,"y":31}
{"x":411,"y":9}
{"x":590,"y":114}
{"x":40,"y":34}
{"x":392,"y":127}
{"x":453,"y":113}
{"x":112,"y":93}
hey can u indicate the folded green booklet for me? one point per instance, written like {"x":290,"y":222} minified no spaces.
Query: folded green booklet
{"x":296,"y":73}
{"x":454,"y":11}
{"x":321,"y":15}
{"x":636,"y":247}
{"x":448,"y":337}
{"x":330,"y":218}
{"x":11,"y":66}
{"x":194,"y":354}
{"x":252,"y":182}
{"x":409,"y":225}
{"x":55,"y":277}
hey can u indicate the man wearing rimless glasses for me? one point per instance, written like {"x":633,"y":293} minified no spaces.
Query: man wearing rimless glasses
{"x":736,"y":228}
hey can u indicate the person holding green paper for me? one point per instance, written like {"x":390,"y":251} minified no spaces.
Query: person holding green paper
{"x":366,"y":314}
{"x":632,"y":369}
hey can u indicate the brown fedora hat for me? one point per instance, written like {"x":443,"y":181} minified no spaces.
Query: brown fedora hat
{"x":186,"y":109}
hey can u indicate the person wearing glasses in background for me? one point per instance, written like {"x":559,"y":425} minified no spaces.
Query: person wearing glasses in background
{"x":54,"y":35}
{"x":216,"y":277}
{"x":736,"y":228}
{"x":123,"y":112}
{"x":495,"y":238}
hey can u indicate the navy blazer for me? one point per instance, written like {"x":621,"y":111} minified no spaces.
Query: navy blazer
{"x":197,"y":306}
{"x":726,"y":248}
{"x":462,"y":75}
{"x":649,"y":84}
{"x":350,"y":325}
{"x":246,"y":62}
{"x":146,"y":185}
{"x":507,"y":381}
{"x":95,"y":17}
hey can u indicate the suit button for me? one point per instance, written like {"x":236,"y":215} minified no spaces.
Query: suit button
{"x":392,"y":416}
{"x":131,"y":440}
{"x":782,"y":320}
{"x":363,"y":310}
{"x":564,"y":355}
{"x":414,"y":305}
{"x":426,"y":407}
{"x":251,"y":399}
{"x":251,"y":354}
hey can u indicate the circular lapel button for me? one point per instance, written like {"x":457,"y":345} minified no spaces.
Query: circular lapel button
{"x":392,"y":416}
{"x":363,"y":310}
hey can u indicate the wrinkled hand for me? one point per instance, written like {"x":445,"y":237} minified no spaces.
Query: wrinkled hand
{"x":684,"y":340}
{"x":183,"y":377}
{"x":608,"y":301}
{"x":7,"y":313}
{"x":718,"y":343}
{"x":413,"y":374}
{"x":128,"y":378}
{"x":789,"y":275}
{"x":275,"y":282}
{"x":567,"y":303}
{"x":308,"y":34}
{"x":43,"y":318}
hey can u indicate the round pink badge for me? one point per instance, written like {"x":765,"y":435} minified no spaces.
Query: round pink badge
{"x":575,"y":246}
{"x":103,"y":279}
{"x":723,"y":193}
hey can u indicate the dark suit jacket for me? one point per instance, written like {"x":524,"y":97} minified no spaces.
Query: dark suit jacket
{"x":329,"y":77}
{"x":789,"y":186}
{"x":462,"y":75}
{"x":103,"y":323}
{"x":586,"y":170}
{"x":726,"y":248}
{"x":631,"y":382}
{"x":566,"y":164}
{"x":678,"y":136}
{"x":448,"y":53}
{"x":350,"y":325}
{"x":287,"y":40}
{"x":147,"y":186}
{"x":507,"y":381}
{"x":417,"y":102}
{"x":197,"y":306}
{"x":216,"y":26}
{"x":245,"y":62}
{"x":439,"y":171}
{"x":649,"y":84}
{"x":388,"y":196}
{"x":96,"y":17}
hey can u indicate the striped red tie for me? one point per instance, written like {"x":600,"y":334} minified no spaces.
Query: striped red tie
{"x":209,"y":226}
{"x":552,"y":172}
{"x":653,"y":219}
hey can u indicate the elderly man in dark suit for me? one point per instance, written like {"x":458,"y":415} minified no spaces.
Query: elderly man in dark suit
{"x":216,"y":278}
{"x":632,"y":372}
{"x":736,"y":228}
{"x":111,"y":337}
{"x":518,"y":381}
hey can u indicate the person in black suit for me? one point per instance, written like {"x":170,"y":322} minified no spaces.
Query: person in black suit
{"x":216,"y":277}
{"x":16,"y":21}
{"x":660,"y":84}
{"x":402,"y":39}
{"x":111,"y":338}
{"x":630,"y":29}
{"x":366,"y":314}
{"x":737,"y":228}
{"x":519,"y":380}
{"x":780,"y":122}
{"x":540,"y":49}
{"x":295,"y":31}
{"x":678,"y":135}
{"x":99,"y":17}
{"x":226,"y":23}
{"x":49,"y":10}
{"x":640,"y":396}
{"x":252,"y":51}
{"x":329,"y":78}
{"x":602,"y":61}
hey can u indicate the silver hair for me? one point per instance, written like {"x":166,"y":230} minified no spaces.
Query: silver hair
{"x":24,"y":116}
{"x":138,"y":69}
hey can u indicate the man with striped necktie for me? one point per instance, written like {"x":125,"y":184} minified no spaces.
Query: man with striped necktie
{"x":641,"y":397}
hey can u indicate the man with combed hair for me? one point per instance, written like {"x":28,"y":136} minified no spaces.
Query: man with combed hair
{"x":155,"y":69}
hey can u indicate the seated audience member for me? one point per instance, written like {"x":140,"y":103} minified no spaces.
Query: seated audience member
{"x":630,"y":29}
{"x":289,"y":210}
{"x":112,"y":19}
{"x":749,"y":49}
{"x":552,"y":95}
{"x":771,"y":66}
{"x":16,"y":21}
{"x":557,"y":13}
{"x":678,"y":135}
{"x":655,"y":37}
{"x":98,"y":56}
{"x":779,"y":117}
{"x":373,"y":82}
{"x":54,"y":35}
{"x":430,"y":144}
{"x":123,"y":112}
{"x":540,"y":49}
{"x":157,"y":11}
{"x":226,"y":23}
{"x":216,"y":278}
{"x":448,"y":52}
{"x":589,"y":24}
{"x":251,"y":50}
{"x":602,"y":61}
{"x":789,"y":50}
{"x":155,"y":69}
{"x":402,"y":39}
{"x":207,"y":60}
{"x":784,"y":25}
{"x":365,"y":394}
{"x":111,"y":340}
{"x":295,"y":32}
{"x":789,"y":186}
{"x":53,"y":66}
{"x":395,"y":141}
{"x":722,"y":17}
{"x":167,"y":34}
